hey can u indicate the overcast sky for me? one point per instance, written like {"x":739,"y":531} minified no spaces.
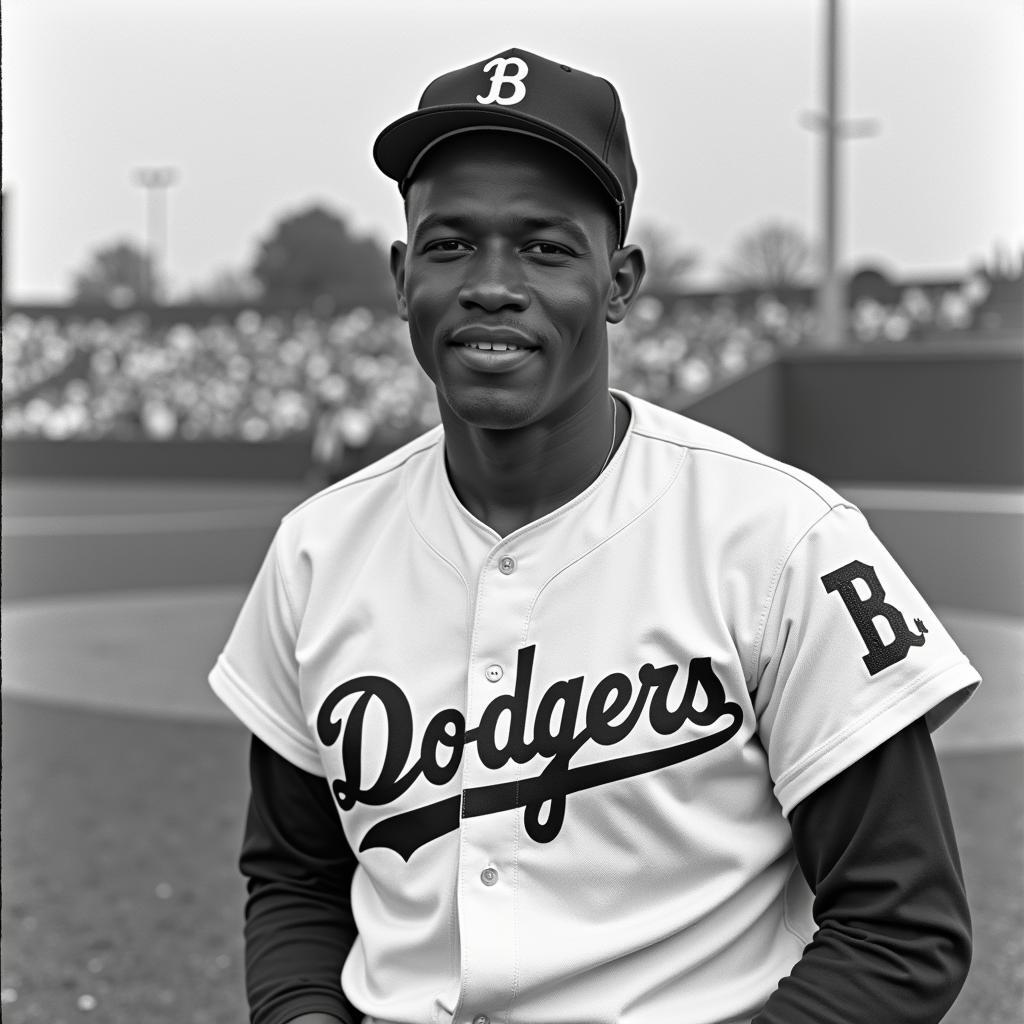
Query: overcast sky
{"x":265,"y":106}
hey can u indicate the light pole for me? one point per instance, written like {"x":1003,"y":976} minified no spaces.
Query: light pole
{"x":831,"y":288}
{"x":156,"y":181}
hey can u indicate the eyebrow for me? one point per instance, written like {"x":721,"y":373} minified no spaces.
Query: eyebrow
{"x":518,"y":223}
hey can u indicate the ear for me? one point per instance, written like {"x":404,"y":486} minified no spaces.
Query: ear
{"x":628,"y":269}
{"x":398,"y":274}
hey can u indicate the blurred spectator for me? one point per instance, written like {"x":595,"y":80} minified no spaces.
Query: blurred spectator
{"x":916,"y":312}
{"x":256,"y":379}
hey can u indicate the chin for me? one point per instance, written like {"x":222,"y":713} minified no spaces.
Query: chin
{"x":491,"y":409}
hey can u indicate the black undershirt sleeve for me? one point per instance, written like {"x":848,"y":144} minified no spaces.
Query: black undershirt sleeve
{"x":298,"y":916}
{"x":876,"y":846}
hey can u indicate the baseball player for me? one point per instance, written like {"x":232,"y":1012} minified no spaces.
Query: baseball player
{"x":573,"y":710}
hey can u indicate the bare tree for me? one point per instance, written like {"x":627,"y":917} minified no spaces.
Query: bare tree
{"x":668,"y":265}
{"x":771,"y":255}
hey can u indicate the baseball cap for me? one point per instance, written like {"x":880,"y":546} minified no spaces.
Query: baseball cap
{"x":517,"y":91}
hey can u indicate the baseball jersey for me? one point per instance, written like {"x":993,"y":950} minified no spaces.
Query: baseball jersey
{"x":564,"y":757}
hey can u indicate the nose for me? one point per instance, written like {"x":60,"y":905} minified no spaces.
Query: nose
{"x":494,"y":281}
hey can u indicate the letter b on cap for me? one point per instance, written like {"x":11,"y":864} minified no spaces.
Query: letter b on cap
{"x":501,"y":77}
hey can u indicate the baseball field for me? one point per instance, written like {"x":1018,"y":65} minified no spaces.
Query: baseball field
{"x":124,"y":781}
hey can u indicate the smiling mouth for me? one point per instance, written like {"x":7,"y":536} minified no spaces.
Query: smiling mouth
{"x":492,"y":351}
{"x":497,"y":338}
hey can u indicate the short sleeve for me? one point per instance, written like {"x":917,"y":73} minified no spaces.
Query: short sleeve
{"x":850,"y":655}
{"x":257,"y":673}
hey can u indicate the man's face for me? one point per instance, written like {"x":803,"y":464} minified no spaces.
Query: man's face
{"x":507,"y":280}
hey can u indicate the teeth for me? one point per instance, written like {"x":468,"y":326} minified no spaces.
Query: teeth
{"x":492,"y":346}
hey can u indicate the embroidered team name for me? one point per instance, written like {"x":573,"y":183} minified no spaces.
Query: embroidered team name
{"x":554,"y":735}
{"x":501,"y":78}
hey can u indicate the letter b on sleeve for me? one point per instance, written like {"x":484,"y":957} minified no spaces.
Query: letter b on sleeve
{"x":866,"y":611}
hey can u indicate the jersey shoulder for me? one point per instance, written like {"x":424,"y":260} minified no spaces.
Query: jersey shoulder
{"x":734,"y":463}
{"x":376,"y":484}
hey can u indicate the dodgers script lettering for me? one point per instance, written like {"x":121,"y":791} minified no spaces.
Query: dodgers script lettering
{"x":612,"y":712}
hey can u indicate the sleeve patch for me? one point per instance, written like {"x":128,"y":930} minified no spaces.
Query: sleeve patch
{"x":867,"y":612}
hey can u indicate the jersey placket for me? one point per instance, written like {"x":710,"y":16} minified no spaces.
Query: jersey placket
{"x":490,"y":837}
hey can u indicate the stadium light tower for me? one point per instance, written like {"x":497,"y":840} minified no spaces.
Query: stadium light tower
{"x":156,"y":181}
{"x":833,"y":130}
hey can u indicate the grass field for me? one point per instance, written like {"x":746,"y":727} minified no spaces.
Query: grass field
{"x":123,"y":801}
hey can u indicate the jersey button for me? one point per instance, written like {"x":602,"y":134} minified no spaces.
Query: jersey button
{"x":489,"y":876}
{"x":507,"y":565}
{"x":494,"y":673}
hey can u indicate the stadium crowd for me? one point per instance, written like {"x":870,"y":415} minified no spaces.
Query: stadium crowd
{"x":351,"y":379}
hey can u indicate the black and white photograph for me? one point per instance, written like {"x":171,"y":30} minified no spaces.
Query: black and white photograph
{"x":512,"y":513}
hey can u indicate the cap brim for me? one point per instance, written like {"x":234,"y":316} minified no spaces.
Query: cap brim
{"x":400,"y":145}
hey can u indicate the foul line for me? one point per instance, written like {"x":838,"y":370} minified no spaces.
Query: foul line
{"x":933,"y":499}
{"x":139,"y":522}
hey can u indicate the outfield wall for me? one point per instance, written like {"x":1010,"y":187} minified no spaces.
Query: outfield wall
{"x":946,"y":413}
{"x":942,"y":413}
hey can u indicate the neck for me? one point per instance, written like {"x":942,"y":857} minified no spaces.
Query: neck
{"x":508,"y":478}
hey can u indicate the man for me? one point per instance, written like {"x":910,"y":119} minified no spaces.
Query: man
{"x":573,"y":709}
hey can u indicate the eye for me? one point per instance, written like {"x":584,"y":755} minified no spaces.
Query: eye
{"x":547,"y":249}
{"x":446,"y":245}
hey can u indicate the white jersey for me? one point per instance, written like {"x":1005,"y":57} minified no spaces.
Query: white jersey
{"x":565,"y":757}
